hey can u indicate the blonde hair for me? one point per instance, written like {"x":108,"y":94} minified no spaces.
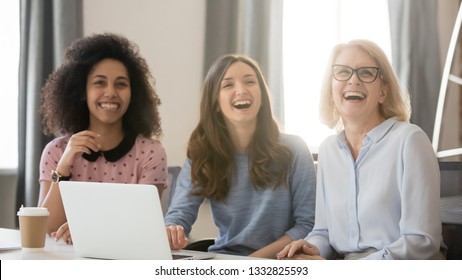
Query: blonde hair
{"x":397,"y":102}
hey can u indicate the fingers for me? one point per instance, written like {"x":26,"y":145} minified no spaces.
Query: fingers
{"x":283,"y":253}
{"x":310,"y":249}
{"x":81,"y":142}
{"x":63,"y":233}
{"x":84,"y":141}
{"x":293,"y":248}
{"x":304,"y":257}
{"x":176,"y":237}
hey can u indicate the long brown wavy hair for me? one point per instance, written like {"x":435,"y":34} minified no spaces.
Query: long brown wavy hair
{"x":211,"y":150}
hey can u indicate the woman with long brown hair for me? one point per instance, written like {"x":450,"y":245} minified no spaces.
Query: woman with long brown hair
{"x":260,"y":182}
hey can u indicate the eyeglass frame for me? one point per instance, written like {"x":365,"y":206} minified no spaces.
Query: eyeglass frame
{"x":353,"y":70}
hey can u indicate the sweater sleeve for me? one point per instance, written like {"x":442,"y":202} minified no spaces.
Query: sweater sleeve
{"x":184,"y":206}
{"x":302,"y":184}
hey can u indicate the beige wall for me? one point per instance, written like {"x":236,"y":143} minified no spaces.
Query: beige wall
{"x":8,"y":198}
{"x":170,"y":35}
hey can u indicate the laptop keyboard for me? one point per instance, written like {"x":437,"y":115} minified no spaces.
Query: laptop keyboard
{"x":181,"y":257}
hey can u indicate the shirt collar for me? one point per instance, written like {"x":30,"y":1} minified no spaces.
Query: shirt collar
{"x":374,"y":135}
{"x":116,"y":153}
{"x":378,"y":132}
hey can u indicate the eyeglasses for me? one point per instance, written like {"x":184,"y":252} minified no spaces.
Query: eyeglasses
{"x":365,"y":74}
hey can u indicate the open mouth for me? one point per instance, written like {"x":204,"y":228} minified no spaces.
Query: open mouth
{"x":242,"y":104}
{"x":354,"y":96}
{"x":109,"y":106}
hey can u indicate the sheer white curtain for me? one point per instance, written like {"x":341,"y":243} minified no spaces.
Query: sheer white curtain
{"x":310,"y":30}
{"x":9,"y":28}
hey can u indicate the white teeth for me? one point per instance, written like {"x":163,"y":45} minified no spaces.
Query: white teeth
{"x":109,"y":106}
{"x":242,"y":103}
{"x":354,"y":95}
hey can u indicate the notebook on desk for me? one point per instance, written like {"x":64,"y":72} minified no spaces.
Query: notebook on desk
{"x":9,"y":245}
{"x":118,"y":221}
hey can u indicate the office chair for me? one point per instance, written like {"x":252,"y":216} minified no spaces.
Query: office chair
{"x":167,"y":194}
{"x":451,"y":207}
{"x":173,"y":172}
{"x":201,"y":245}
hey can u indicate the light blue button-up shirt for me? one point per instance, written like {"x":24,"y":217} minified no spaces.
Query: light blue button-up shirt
{"x":388,"y":199}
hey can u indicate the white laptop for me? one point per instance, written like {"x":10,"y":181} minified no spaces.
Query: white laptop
{"x":118,"y":221}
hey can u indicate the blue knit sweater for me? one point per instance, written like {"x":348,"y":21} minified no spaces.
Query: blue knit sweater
{"x":252,"y":218}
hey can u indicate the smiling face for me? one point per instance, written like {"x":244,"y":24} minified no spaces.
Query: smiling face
{"x":240,"y":95}
{"x":354,"y":99}
{"x":108,"y":92}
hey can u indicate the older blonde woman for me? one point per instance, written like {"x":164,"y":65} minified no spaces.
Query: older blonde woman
{"x":378,"y":180}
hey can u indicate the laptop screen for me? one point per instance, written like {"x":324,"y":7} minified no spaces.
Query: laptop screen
{"x":115,"y":221}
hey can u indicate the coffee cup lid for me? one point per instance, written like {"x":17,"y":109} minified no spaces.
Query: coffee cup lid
{"x":33,"y":211}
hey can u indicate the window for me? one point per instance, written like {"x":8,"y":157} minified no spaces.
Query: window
{"x":310,"y":30}
{"x":9,"y":56}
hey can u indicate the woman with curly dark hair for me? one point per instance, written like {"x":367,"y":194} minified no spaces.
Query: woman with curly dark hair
{"x":260,"y":182}
{"x":102,"y":106}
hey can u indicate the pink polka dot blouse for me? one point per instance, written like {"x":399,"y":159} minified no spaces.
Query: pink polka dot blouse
{"x":144,"y":163}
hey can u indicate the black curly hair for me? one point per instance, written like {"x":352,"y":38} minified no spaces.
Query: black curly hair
{"x":63,"y":104}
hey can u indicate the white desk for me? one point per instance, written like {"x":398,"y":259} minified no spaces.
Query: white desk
{"x":60,"y":250}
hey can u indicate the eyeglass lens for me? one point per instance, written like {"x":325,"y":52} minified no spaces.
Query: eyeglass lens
{"x":365,"y":74}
